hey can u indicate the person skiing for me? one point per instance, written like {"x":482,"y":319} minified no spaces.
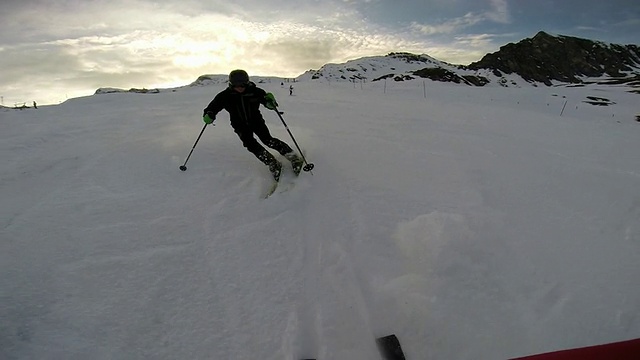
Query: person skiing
{"x":242,"y":101}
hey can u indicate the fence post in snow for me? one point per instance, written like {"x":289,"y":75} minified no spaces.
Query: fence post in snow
{"x":565,"y":104}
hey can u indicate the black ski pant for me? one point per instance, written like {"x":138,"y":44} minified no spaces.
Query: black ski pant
{"x":246,"y":131}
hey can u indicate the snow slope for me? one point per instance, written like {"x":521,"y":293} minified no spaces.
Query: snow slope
{"x":474,"y":223}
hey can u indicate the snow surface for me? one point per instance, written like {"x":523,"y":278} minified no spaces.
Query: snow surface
{"x":474,"y":223}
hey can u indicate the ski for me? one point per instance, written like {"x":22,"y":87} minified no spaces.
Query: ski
{"x":623,"y":350}
{"x":389,"y":347}
{"x":276,"y":171}
{"x":296,"y":166}
{"x":284,"y":184}
{"x":272,"y":189}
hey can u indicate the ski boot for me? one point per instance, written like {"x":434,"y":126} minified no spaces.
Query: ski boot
{"x":275,"y":167}
{"x":296,"y":162}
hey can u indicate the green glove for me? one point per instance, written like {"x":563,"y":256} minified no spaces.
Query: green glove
{"x":208,"y":119}
{"x":270,"y":101}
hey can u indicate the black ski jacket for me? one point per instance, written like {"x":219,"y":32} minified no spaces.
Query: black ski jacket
{"x":243,"y":108}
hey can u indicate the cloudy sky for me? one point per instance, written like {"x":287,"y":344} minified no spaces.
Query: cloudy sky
{"x":51,"y":50}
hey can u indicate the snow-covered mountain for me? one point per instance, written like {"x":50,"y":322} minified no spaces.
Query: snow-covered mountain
{"x":399,"y":67}
{"x":542,"y":60}
{"x":396,"y":67}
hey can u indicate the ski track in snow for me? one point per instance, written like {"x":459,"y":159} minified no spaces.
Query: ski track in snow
{"x":333,"y":286}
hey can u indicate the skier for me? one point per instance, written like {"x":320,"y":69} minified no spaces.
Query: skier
{"x":242,"y":100}
{"x":290,"y":89}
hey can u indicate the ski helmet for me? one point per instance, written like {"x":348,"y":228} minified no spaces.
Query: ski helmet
{"x":238,"y":77}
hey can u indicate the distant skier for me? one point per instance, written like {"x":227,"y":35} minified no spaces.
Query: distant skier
{"x":242,"y":101}
{"x":290,"y":90}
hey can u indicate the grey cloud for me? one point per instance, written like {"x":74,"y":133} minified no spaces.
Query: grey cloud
{"x":34,"y":60}
{"x":45,"y":66}
{"x":300,"y":54}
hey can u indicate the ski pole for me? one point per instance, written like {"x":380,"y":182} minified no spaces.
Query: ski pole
{"x":183,"y":167}
{"x":309,"y":166}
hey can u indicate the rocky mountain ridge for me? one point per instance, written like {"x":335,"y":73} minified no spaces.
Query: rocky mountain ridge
{"x":542,"y":60}
{"x":546,"y":58}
